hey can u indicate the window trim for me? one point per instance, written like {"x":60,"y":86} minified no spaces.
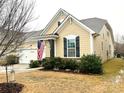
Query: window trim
{"x":71,"y":48}
{"x":71,"y":37}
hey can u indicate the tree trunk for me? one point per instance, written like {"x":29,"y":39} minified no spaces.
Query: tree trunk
{"x":7,"y":74}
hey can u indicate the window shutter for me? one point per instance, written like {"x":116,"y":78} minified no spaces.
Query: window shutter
{"x":65,"y":47}
{"x":77,"y":47}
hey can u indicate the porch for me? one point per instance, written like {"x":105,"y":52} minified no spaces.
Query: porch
{"x":50,"y":44}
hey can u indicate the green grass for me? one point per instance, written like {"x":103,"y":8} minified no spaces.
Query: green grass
{"x":113,"y":66}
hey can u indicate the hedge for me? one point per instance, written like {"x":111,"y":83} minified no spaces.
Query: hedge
{"x":87,"y":64}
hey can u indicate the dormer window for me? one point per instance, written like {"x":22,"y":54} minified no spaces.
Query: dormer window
{"x":59,"y":22}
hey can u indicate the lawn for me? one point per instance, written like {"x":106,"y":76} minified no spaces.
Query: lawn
{"x":60,"y":82}
{"x":113,"y":66}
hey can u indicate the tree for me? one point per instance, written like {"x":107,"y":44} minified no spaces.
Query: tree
{"x":14,"y":17}
{"x":123,"y":38}
{"x":119,"y":46}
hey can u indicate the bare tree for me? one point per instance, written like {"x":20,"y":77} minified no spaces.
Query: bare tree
{"x":119,"y":45}
{"x":123,"y":38}
{"x":14,"y":16}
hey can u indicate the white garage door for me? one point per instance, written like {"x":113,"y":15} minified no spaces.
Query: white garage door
{"x":26,"y":55}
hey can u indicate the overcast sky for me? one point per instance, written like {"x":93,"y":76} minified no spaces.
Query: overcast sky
{"x":111,"y":10}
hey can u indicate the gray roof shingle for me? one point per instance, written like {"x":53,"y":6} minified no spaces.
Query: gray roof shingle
{"x":95,"y":24}
{"x":31,"y":35}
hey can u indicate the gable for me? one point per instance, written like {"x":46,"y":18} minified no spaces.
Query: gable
{"x":53,"y":24}
{"x":70,"y":27}
{"x":73,"y":19}
{"x":73,"y":29}
{"x":108,"y":34}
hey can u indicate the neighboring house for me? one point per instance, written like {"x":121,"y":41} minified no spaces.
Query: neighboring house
{"x":67,"y":37}
{"x":28,"y":50}
{"x":8,"y":42}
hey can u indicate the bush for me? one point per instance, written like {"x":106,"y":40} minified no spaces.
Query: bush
{"x":88,"y":64}
{"x":49,"y":63}
{"x":43,"y":61}
{"x":34,"y":64}
{"x":11,"y":59}
{"x":70,"y":64}
{"x":59,"y":63}
{"x":91,"y":64}
{"x":118,"y":55}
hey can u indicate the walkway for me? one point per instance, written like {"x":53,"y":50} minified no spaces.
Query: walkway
{"x":19,"y":68}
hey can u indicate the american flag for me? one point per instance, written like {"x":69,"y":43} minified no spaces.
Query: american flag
{"x":40,"y":49}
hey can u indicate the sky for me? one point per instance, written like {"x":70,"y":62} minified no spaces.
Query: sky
{"x":111,"y":10}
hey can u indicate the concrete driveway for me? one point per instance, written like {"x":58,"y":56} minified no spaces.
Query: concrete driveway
{"x":19,"y":68}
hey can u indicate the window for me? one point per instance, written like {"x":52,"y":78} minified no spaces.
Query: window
{"x":71,"y":46}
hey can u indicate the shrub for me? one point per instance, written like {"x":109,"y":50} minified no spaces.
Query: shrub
{"x":49,"y":63}
{"x":91,"y":64}
{"x":59,"y":63}
{"x":70,"y":64}
{"x":43,"y":61}
{"x":118,"y":55}
{"x":11,"y":59}
{"x":34,"y":64}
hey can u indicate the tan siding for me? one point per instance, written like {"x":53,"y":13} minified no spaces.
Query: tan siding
{"x":106,"y":42}
{"x":73,"y":29}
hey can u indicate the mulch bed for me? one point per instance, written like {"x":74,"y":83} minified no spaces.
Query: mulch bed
{"x":11,"y":87}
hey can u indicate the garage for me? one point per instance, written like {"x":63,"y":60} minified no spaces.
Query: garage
{"x":26,"y":55}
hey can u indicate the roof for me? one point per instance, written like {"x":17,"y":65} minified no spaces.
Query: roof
{"x":95,"y":24}
{"x":75,"y":20}
{"x":31,"y":35}
{"x":6,"y":35}
{"x":54,"y":17}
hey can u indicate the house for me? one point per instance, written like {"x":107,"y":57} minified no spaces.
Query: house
{"x":66,"y":36}
{"x":28,"y":50}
